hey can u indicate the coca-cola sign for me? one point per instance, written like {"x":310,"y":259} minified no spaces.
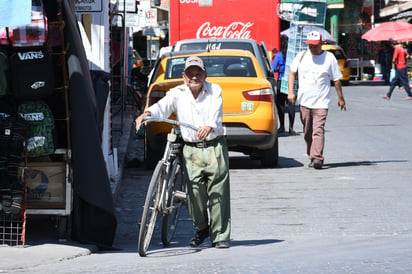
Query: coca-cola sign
{"x":232,"y":30}
{"x":234,"y":19}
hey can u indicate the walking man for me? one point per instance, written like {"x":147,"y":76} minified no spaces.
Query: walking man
{"x":401,"y":76}
{"x":316,"y":70}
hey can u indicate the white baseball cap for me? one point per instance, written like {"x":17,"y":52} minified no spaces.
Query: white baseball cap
{"x":313,"y":38}
{"x":194,"y":61}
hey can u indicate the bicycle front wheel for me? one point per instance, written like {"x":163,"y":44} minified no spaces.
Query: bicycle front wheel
{"x":150,"y":209}
{"x":175,"y":200}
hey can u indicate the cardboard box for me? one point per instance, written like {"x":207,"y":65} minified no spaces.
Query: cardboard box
{"x":46,"y":185}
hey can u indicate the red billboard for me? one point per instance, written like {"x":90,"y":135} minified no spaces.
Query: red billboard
{"x":225,"y":19}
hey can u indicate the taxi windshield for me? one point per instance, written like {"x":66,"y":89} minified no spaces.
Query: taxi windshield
{"x":216,"y":66}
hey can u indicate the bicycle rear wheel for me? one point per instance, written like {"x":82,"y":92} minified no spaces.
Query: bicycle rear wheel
{"x":150,"y":209}
{"x":175,"y":200}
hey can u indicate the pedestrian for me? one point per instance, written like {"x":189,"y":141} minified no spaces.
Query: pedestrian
{"x":385,"y":60}
{"x":316,"y":70}
{"x":278,"y":65}
{"x":205,"y":152}
{"x":274,"y":52}
{"x":401,"y":76}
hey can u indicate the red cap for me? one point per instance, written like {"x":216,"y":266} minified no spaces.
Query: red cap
{"x":314,"y":38}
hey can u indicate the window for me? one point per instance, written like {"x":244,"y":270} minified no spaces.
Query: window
{"x":216,"y":66}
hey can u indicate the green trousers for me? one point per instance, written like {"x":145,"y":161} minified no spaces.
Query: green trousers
{"x":207,"y":179}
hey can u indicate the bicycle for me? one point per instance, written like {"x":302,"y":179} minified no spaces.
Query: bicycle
{"x":167,"y":191}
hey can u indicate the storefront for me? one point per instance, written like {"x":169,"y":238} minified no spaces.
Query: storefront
{"x":71,"y":179}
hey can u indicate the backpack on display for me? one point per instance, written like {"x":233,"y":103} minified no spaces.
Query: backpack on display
{"x":13,"y":133}
{"x":8,"y":109}
{"x":30,"y":63}
{"x":31,"y":71}
{"x":40,"y":140}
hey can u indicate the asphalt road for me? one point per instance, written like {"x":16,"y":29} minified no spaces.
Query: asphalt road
{"x":353,"y":216}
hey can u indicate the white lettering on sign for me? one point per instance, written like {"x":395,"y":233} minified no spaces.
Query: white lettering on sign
{"x":233,"y":30}
{"x":33,"y":117}
{"x":129,"y":5}
{"x":30,"y":55}
{"x":188,"y":1}
{"x":88,"y":5}
{"x":214,"y":46}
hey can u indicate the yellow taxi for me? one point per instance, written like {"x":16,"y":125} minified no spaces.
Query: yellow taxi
{"x":249,"y":111}
{"x":343,"y":63}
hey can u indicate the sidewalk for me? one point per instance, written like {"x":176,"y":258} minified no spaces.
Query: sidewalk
{"x":120,"y":137}
{"x":44,"y":247}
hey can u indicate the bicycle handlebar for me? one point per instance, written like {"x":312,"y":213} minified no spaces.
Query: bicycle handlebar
{"x":170,"y":121}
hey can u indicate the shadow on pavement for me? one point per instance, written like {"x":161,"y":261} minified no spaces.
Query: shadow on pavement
{"x":367,"y":83}
{"x":285,"y":162}
{"x":169,"y":252}
{"x":254,"y":242}
{"x":360,"y":163}
{"x":160,"y":251}
{"x":44,"y":230}
{"x":245,"y":162}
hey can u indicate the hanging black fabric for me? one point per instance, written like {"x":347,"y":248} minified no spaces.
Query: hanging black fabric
{"x":93,"y":219}
{"x":101,"y":88}
{"x":4,"y":72}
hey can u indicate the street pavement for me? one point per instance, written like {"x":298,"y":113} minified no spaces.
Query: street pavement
{"x":353,"y":216}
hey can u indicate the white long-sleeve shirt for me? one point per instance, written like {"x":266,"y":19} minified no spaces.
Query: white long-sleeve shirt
{"x":205,"y":110}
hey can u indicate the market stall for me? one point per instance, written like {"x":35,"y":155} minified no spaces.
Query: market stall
{"x":69,"y":178}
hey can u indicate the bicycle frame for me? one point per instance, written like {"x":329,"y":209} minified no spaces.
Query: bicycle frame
{"x":172,"y":152}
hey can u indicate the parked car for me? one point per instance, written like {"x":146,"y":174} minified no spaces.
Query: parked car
{"x":249,"y":111}
{"x":343,"y":63}
{"x":258,"y":50}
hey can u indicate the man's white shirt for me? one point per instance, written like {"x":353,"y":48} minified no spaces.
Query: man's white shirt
{"x":314,"y":75}
{"x":205,"y":110}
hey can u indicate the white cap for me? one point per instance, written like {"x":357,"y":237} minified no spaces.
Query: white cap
{"x":194,"y":61}
{"x":313,"y":38}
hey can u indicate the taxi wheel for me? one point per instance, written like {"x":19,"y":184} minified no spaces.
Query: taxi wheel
{"x":270,"y":156}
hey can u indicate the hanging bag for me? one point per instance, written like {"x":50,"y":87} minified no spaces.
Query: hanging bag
{"x":32,"y":73}
{"x":392,"y":74}
{"x":41,"y":128}
{"x":30,"y":63}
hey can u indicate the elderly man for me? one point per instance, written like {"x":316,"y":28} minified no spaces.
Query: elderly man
{"x":205,"y":153}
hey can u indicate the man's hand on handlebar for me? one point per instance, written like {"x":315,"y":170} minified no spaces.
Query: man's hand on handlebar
{"x":203,"y":132}
{"x":139,"y":120}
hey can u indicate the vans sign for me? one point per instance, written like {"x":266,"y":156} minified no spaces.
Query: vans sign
{"x":30,"y":55}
